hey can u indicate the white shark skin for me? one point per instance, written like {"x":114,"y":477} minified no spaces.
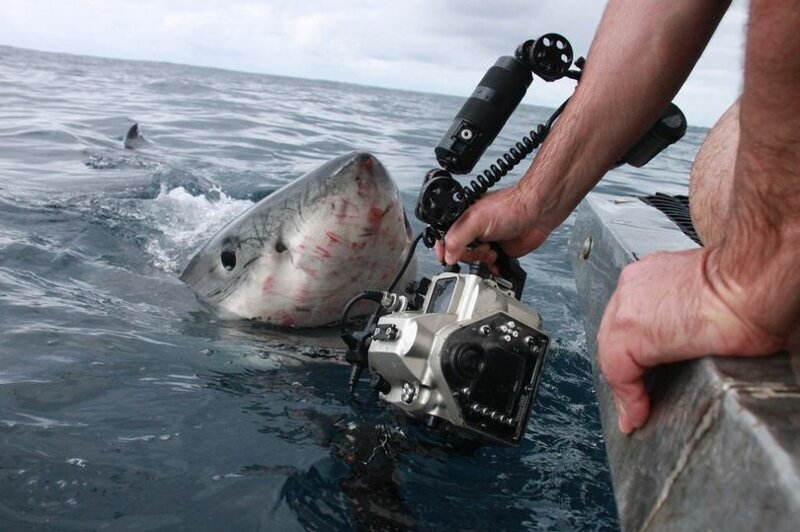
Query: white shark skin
{"x":304,"y":251}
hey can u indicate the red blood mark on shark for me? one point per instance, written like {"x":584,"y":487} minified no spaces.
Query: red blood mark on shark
{"x":268,"y":285}
{"x":305,"y":295}
{"x":339,"y":206}
{"x":322,"y":252}
{"x":333,"y":236}
{"x":285,"y":319}
{"x":375,"y":215}
{"x":311,"y":272}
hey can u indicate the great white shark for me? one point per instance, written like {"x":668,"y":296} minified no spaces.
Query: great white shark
{"x":296,"y":257}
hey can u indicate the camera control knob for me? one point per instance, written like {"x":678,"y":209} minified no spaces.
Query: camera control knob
{"x":531,"y":343}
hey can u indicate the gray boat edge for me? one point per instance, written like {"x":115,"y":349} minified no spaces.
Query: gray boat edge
{"x":721,"y":449}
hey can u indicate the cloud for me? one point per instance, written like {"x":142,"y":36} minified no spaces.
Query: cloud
{"x":428,"y":45}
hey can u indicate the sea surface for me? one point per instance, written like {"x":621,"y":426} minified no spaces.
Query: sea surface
{"x":124,"y":404}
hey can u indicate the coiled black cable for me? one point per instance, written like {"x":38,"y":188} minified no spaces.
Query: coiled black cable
{"x":511,"y":158}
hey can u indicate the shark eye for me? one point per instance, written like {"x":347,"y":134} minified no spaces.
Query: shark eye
{"x":228,"y":259}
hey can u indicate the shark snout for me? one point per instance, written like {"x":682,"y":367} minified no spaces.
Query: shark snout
{"x":365,"y":162}
{"x":370,"y":176}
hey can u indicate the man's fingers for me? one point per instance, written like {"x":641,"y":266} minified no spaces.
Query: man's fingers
{"x":482,"y":252}
{"x":633,"y":405}
{"x":623,"y":421}
{"x":622,"y":373}
{"x":624,"y":376}
{"x":438,"y":248}
{"x":467,"y":229}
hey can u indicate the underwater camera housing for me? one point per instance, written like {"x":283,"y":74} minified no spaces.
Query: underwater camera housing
{"x":472,"y":356}
{"x":460,"y":351}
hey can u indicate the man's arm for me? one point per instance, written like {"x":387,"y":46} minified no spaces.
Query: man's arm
{"x":641,"y":54}
{"x":741,"y":297}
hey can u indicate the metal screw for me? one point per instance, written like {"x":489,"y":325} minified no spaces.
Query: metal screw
{"x":466,"y":134}
{"x":408,"y":393}
{"x":485,"y":330}
{"x":587,"y":248}
{"x":506,"y":338}
{"x":511,"y":324}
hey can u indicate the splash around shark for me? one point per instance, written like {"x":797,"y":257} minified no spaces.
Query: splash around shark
{"x":295,"y":258}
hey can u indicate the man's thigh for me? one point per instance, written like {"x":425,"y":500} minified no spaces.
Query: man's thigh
{"x":712,"y":177}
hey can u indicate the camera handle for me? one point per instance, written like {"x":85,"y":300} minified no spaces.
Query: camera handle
{"x":510,"y":270}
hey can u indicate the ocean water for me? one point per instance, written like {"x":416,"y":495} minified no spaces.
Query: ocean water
{"x":124,"y":404}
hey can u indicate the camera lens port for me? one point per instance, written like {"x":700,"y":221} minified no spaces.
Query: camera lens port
{"x":469,"y":361}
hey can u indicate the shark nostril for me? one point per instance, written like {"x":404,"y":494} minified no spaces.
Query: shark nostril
{"x":280,"y":247}
{"x":228,"y":259}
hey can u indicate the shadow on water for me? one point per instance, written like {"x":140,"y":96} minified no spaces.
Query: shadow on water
{"x":380,"y":471}
{"x":358,"y":483}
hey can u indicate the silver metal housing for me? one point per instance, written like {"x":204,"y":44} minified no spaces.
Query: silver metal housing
{"x":413,"y":359}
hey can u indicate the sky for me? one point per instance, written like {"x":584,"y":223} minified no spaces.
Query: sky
{"x":440,"y":46}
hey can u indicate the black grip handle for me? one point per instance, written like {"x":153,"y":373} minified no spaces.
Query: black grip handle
{"x":510,"y":270}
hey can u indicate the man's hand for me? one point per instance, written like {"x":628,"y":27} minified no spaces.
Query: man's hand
{"x":505,"y":217}
{"x":666,"y":309}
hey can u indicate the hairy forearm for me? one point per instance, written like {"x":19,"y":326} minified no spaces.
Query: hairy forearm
{"x":642,"y":53}
{"x":755,"y":269}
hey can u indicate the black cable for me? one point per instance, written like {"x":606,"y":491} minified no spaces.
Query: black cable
{"x":511,"y":158}
{"x":358,"y":346}
{"x":349,"y":339}
{"x":374,"y":295}
{"x":406,"y":262}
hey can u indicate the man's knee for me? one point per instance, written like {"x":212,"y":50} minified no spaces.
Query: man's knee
{"x":712,"y":177}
